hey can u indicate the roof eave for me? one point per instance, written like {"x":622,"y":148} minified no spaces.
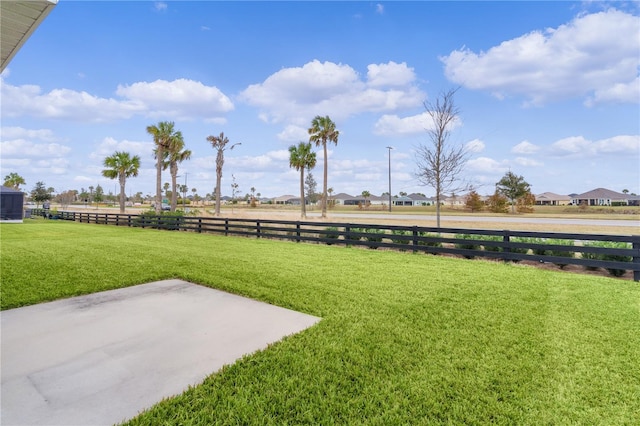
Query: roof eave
{"x":28,"y":26}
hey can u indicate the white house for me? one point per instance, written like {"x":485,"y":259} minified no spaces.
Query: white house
{"x":599,"y":197}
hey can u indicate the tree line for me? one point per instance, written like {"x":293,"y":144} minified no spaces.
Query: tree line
{"x":440,"y":165}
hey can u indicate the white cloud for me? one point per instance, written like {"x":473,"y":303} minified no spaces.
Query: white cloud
{"x":379,"y":9}
{"x":578,"y":146}
{"x":486,"y":165}
{"x":525,"y":148}
{"x":619,"y":92}
{"x":110,"y":145}
{"x":292,"y":133}
{"x":594,"y":56}
{"x":475,"y":146}
{"x":392,"y":125}
{"x":63,"y":104}
{"x":390,"y":74}
{"x":181,"y":99}
{"x":623,"y":144}
{"x":267,"y":162}
{"x":20,"y":132}
{"x":20,"y":148}
{"x":160,"y":6}
{"x":296,"y":95}
{"x":528,"y":162}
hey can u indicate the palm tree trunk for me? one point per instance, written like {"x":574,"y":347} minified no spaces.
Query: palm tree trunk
{"x":122,"y":193}
{"x":218,"y":180}
{"x":324,"y":188}
{"x":174,"y":184}
{"x":159,"y":180}
{"x":303,"y":207}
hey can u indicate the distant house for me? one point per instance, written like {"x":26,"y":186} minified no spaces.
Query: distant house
{"x":551,"y":199}
{"x":378,"y":200}
{"x":456,"y":200}
{"x":421,"y":200}
{"x":286,"y":199}
{"x":353,"y":201}
{"x":11,"y":204}
{"x":633,"y":200}
{"x":340,"y":198}
{"x":600,"y":197}
{"x":402,"y":201}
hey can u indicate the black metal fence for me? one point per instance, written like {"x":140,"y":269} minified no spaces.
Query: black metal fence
{"x":615,"y":253}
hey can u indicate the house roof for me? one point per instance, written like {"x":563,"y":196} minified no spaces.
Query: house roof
{"x":417,"y":197}
{"x":9,"y":190}
{"x":552,"y":197}
{"x":18,"y":20}
{"x":285,"y":198}
{"x":601,"y":193}
{"x":342,"y":196}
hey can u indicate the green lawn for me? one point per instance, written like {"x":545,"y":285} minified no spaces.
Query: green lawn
{"x":405,"y":338}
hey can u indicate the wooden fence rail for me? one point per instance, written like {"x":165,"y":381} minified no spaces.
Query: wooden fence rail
{"x":616,"y":253}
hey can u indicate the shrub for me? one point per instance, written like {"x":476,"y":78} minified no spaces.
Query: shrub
{"x":591,"y":256}
{"x":560,"y":252}
{"x":525,"y":203}
{"x":520,"y":250}
{"x":610,"y":257}
{"x":497,"y":203}
{"x":429,"y":243}
{"x":490,"y":247}
{"x":164,"y":220}
{"x":374,"y":235}
{"x":355,"y":231}
{"x":473,"y":202}
{"x":541,"y":251}
{"x":400,"y":232}
{"x":331,"y":233}
{"x":467,"y":245}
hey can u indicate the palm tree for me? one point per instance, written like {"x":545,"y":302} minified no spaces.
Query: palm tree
{"x":162,"y":134}
{"x":366,"y":195}
{"x":219,"y":143}
{"x":14,"y":180}
{"x":302,"y":157}
{"x":323,"y":130}
{"x":174,"y":155}
{"x":121,"y":165}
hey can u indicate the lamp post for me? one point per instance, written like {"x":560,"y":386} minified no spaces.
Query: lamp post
{"x":389,"y":148}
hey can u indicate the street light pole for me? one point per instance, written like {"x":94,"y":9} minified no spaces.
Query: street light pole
{"x":389,"y":148}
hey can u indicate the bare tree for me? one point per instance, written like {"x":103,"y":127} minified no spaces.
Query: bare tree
{"x":439,"y":162}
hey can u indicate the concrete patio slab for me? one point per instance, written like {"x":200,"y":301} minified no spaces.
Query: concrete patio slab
{"x":103,"y":358}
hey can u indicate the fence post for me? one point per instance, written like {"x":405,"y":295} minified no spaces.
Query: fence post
{"x":226,"y":227}
{"x":298,"y":232}
{"x":347,"y":234}
{"x":414,"y":243}
{"x":257,"y":228}
{"x":636,"y":256}
{"x":505,"y":240}
{"x":199,"y":225}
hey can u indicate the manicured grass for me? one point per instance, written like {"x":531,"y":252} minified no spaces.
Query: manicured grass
{"x":405,"y":338}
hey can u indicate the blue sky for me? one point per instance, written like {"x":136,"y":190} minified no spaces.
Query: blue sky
{"x":548,"y":90}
